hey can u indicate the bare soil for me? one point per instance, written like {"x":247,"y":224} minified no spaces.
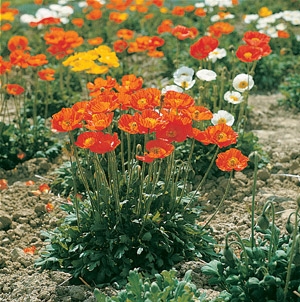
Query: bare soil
{"x":23,"y":215}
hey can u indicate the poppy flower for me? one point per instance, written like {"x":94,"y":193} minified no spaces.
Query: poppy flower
{"x":118,"y":17}
{"x":79,"y":22}
{"x":200,"y":12}
{"x":248,"y":53}
{"x":147,"y":98}
{"x":37,"y":60}
{"x":221,"y":135}
{"x":243,"y":82}
{"x":29,"y":250}
{"x":283,"y":34}
{"x":65,"y":120}
{"x":100,"y":85}
{"x":45,"y":21}
{"x":129,"y":123}
{"x":255,"y":38}
{"x":49,"y":207}
{"x":99,"y":121}
{"x":232,"y":159}
{"x":98,"y":142}
{"x":5,"y":66}
{"x":177,"y":100}
{"x":165,"y":26}
{"x":19,"y":58}
{"x":44,"y":188}
{"x":95,"y":41}
{"x":201,"y":49}
{"x":94,"y":14}
{"x":14,"y":89}
{"x":177,"y":129}
{"x":149,"y":121}
{"x":178,"y":11}
{"x":206,"y":75}
{"x":233,"y":97}
{"x":29,"y":183}
{"x":222,"y":117}
{"x":126,"y":34}
{"x":181,"y":32}
{"x":200,"y":113}
{"x":18,"y":43}
{"x":46,"y":74}
{"x":6,"y":27}
{"x":130,"y":83}
{"x":120,"y":46}
{"x":103,"y":103}
{"x":3,"y":184}
{"x":220,"y":28}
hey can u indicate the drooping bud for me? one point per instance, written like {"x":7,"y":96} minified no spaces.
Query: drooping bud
{"x":228,"y":254}
{"x":263,"y":222}
{"x":289,"y":226}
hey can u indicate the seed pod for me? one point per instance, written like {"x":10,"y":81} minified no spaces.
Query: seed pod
{"x":263,"y":222}
{"x":289,"y":227}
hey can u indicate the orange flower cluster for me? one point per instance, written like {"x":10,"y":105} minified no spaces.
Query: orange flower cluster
{"x":257,"y":46}
{"x":7,"y":14}
{"x":20,"y":56}
{"x":62,"y":43}
{"x":147,"y":44}
{"x":220,"y":28}
{"x":169,"y":118}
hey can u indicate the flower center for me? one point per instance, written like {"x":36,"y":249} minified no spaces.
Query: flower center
{"x":243,"y":84}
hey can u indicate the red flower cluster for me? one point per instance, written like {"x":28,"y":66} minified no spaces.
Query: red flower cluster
{"x":257,"y":46}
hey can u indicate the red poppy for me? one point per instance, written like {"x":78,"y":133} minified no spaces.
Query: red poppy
{"x":18,"y":43}
{"x":221,"y":135}
{"x":232,"y":159}
{"x":46,"y":74}
{"x":256,"y":38}
{"x":155,"y":42}
{"x":181,"y":32}
{"x":65,"y":120}
{"x":248,"y":53}
{"x":120,"y":46}
{"x":201,"y":49}
{"x":178,"y":100}
{"x":98,"y":142}
{"x":5,"y":66}
{"x":176,"y":130}
{"x":14,"y":89}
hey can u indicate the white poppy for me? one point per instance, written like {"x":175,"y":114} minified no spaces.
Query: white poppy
{"x":171,"y":88}
{"x":233,"y":97}
{"x":206,"y":75}
{"x":216,"y":54}
{"x":243,"y":82}
{"x":222,"y":117}
{"x":250,"y":18}
{"x":183,"y":77}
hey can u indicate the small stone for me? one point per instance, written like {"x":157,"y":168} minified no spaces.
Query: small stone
{"x":263,"y":174}
{"x":40,"y":209}
{"x":5,"y":220}
{"x":77,"y":293}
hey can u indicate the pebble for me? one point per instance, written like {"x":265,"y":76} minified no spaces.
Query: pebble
{"x":5,"y":220}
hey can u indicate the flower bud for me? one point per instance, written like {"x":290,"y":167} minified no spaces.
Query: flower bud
{"x":228,"y":254}
{"x":263,"y":222}
{"x":289,"y":227}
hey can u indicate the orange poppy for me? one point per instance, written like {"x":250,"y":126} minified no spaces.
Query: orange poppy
{"x":100,"y":85}
{"x":201,"y":49}
{"x":18,"y":43}
{"x":19,"y":58}
{"x":283,"y":34}
{"x":99,"y":121}
{"x":155,"y":54}
{"x":220,"y":28}
{"x":248,"y":53}
{"x":232,"y":159}
{"x":94,"y":14}
{"x":46,"y":74}
{"x":81,"y":108}
{"x":98,"y":142}
{"x":6,"y":27}
{"x":178,"y":11}
{"x":95,"y":41}
{"x":120,"y":46}
{"x":200,"y":12}
{"x":118,"y":17}
{"x":124,"y":33}
{"x":155,"y":42}
{"x":79,"y":22}
{"x":103,"y":103}
{"x":37,"y":60}
{"x":221,"y":135}
{"x":49,"y":207}
{"x":181,"y":32}
{"x":189,"y":8}
{"x":65,"y":120}
{"x":14,"y":89}
{"x":45,"y":21}
{"x":29,"y":250}
{"x":177,"y":100}
{"x":3,"y":184}
{"x":255,"y":38}
{"x":129,"y":123}
{"x":149,"y":121}
{"x":165,"y":26}
{"x":44,"y":188}
{"x":200,"y":113}
{"x":147,"y":98}
{"x":130,"y":83}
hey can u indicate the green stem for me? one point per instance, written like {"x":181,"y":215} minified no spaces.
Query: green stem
{"x":289,"y":268}
{"x":253,"y":198}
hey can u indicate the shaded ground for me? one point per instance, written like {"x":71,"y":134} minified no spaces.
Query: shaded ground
{"x":23,"y":215}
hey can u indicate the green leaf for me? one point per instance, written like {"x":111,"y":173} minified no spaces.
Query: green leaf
{"x":134,"y":284}
{"x":212,"y":268}
{"x":147,"y":236}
